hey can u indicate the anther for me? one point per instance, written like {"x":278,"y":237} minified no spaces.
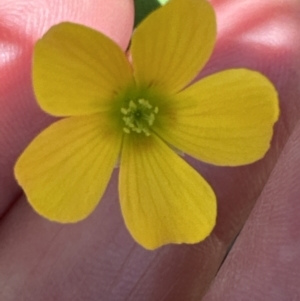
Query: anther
{"x":139,"y":116}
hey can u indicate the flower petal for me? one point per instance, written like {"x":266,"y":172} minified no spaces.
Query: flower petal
{"x":77,"y":70}
{"x":163,"y":199}
{"x":224,"y":119}
{"x":65,"y":170}
{"x":171,"y":46}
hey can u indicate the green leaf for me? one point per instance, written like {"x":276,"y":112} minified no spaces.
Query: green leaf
{"x":144,"y":7}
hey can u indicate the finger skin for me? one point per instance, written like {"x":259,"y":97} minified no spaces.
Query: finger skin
{"x":97,"y":259}
{"x":21,"y":24}
{"x":259,"y":42}
{"x":264,"y":263}
{"x":93,"y":260}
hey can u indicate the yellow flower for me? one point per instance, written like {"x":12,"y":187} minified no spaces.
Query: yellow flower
{"x":139,"y":113}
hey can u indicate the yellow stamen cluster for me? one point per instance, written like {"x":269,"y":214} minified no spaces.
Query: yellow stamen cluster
{"x":139,"y":116}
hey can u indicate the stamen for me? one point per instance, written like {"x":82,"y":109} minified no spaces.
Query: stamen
{"x":139,"y":116}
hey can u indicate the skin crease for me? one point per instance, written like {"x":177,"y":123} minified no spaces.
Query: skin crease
{"x":97,"y":259}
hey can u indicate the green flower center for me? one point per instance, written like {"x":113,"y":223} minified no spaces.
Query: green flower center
{"x":139,"y":117}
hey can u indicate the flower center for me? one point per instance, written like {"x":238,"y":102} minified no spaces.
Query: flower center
{"x":139,"y":116}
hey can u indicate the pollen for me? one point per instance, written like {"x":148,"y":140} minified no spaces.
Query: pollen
{"x":139,"y":117}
